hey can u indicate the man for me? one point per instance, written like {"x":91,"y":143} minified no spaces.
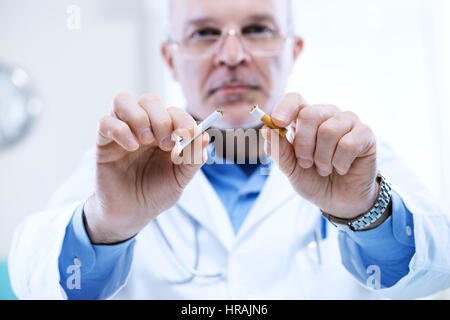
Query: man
{"x":138,"y":225}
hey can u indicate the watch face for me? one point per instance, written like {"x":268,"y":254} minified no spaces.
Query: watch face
{"x":18,"y":106}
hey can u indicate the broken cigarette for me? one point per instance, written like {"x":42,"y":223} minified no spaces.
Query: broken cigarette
{"x":266,"y":119}
{"x":181,"y":143}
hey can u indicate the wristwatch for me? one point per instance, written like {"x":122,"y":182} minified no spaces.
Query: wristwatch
{"x":381,"y":210}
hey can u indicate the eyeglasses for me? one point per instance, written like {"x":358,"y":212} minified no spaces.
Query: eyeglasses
{"x":258,"y":41}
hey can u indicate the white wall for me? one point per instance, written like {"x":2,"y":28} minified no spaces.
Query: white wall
{"x":77,"y":74}
{"x":374,"y":57}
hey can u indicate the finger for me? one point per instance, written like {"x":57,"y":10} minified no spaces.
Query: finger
{"x":308,"y":122}
{"x":111,"y":129}
{"x":193,"y":153}
{"x":188,"y":168}
{"x":280,"y":150}
{"x":287,"y":109}
{"x":160,"y":120}
{"x":328,"y":136}
{"x":358,"y":143}
{"x":128,"y":110}
{"x":183,"y":123}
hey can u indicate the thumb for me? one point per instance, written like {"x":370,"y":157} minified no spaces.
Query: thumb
{"x":280,"y":150}
{"x":191,"y":159}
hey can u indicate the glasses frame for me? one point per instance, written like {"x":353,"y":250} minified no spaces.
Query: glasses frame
{"x":232,"y":32}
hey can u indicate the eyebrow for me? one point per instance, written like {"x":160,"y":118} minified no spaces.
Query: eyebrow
{"x":253,"y":18}
{"x":201,"y":21}
{"x":262,"y":17}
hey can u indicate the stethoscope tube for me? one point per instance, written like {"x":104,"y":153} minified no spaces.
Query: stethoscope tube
{"x":193,"y":271}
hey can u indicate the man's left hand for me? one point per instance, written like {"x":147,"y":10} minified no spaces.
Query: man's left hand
{"x":331,"y":159}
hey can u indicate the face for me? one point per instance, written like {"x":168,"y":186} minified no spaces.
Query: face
{"x":231,"y":77}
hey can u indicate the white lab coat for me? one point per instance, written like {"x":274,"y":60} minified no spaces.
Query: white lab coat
{"x":272,"y":256}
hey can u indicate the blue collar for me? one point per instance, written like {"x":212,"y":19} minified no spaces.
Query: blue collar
{"x":243,"y":178}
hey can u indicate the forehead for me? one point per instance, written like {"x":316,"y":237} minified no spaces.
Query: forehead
{"x":184,"y":12}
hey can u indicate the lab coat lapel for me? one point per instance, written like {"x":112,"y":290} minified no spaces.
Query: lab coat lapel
{"x":275,"y":192}
{"x":202,"y":203}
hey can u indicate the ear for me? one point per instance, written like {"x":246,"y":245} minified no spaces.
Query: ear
{"x":298,"y":47}
{"x":168,"y":58}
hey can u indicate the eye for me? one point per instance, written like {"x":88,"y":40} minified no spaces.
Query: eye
{"x":257,"y":30}
{"x":206,"y":33}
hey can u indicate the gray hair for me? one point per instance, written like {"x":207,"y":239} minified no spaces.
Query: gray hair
{"x":167,"y":18}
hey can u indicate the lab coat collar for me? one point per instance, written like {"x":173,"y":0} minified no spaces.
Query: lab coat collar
{"x":202,"y":203}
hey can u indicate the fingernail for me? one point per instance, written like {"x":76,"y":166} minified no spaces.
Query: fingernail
{"x":132,"y":144}
{"x":323,"y":172}
{"x":147,"y":135}
{"x":167,"y":143}
{"x":305,"y":163}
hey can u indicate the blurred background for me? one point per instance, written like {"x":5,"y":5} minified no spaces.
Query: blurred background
{"x":386,"y":60}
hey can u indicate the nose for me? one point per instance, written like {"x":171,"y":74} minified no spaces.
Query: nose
{"x":232,"y":52}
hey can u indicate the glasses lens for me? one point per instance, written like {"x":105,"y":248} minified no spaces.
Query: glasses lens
{"x":255,"y":44}
{"x":263,"y":45}
{"x":202,"y":46}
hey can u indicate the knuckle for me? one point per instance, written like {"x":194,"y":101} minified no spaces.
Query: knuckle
{"x":175,"y":110}
{"x":149,"y":98}
{"x":308,"y":113}
{"x":303,"y":145}
{"x":179,"y":113}
{"x":367,"y":129}
{"x":137,"y":118}
{"x":119,"y":130}
{"x":327,"y":130}
{"x":120,"y":110}
{"x":351,"y":115}
{"x":122,"y":99}
{"x":165,"y":123}
{"x":333,"y":107}
{"x":349,"y":145}
{"x":103,"y":120}
{"x":293,"y":94}
{"x":368,"y":134}
{"x":103,"y":123}
{"x":294,"y":97}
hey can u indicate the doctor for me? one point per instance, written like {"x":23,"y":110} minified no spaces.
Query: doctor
{"x":132,"y":224}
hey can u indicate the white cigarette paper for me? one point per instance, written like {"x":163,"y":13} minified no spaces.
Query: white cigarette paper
{"x":202,"y":127}
{"x":257,"y":113}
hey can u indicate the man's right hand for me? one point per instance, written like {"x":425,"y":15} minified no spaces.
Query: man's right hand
{"x":136,"y":178}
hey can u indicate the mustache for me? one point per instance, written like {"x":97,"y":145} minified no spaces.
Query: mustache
{"x":233,"y":80}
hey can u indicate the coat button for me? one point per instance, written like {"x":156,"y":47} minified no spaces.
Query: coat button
{"x":408,"y":231}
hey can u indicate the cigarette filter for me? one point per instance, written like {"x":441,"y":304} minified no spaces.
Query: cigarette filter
{"x":266,"y":119}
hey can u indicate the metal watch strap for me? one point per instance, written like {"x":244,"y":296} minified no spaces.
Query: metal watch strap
{"x":380,"y":210}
